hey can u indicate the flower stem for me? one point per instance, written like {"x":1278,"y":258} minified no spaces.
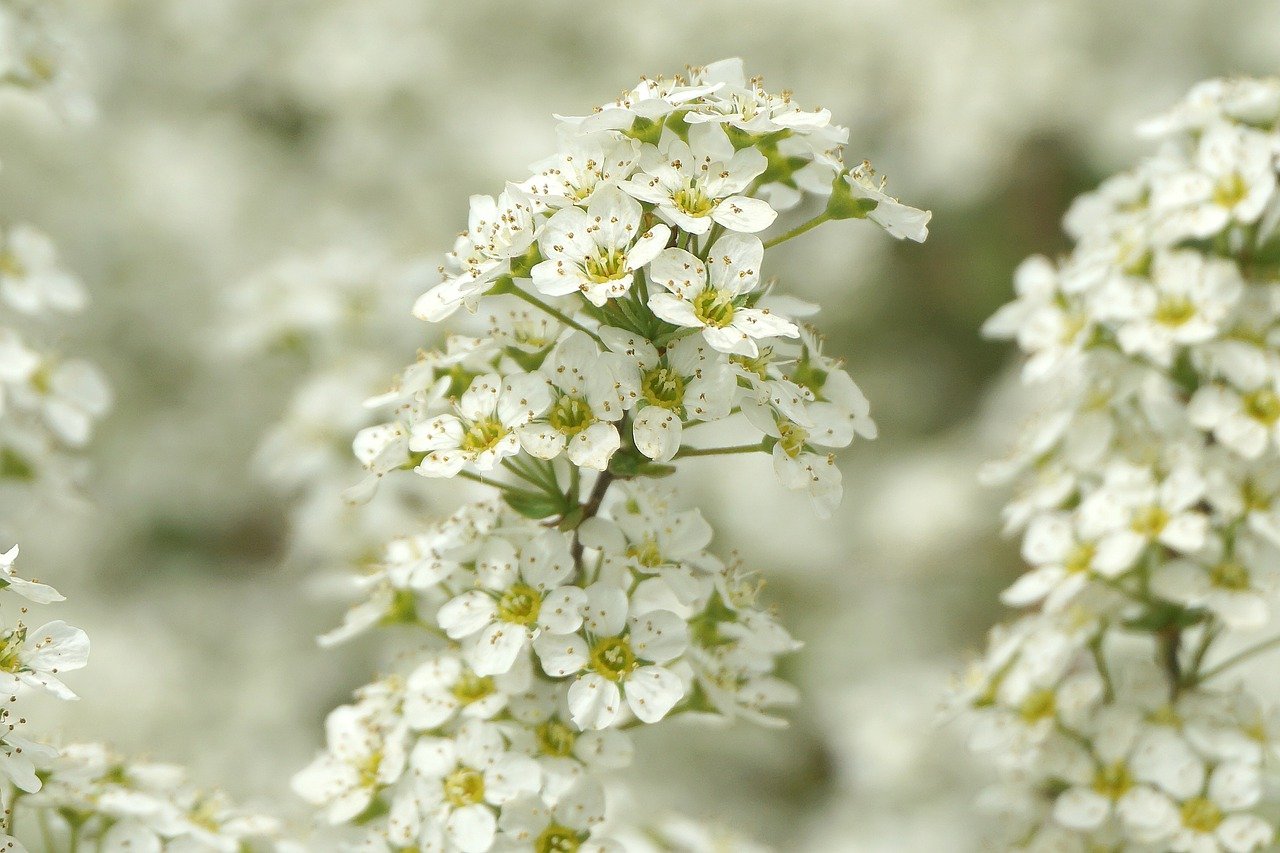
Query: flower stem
{"x":686,"y":452}
{"x":554,"y":312}
{"x":1238,"y":657}
{"x":506,"y":487}
{"x":798,"y":230}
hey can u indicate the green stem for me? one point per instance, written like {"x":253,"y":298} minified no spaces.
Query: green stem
{"x":799,"y":229}
{"x":1238,"y":657}
{"x":530,"y":473}
{"x":686,"y":452}
{"x":46,"y":834}
{"x":506,"y":487}
{"x":554,"y":312}
{"x":1100,"y":661}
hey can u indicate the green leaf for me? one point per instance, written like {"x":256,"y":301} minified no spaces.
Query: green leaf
{"x":14,"y":466}
{"x":535,"y":505}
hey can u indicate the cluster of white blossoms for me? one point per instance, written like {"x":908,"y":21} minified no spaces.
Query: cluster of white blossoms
{"x":622,"y":307}
{"x":1149,"y":505}
{"x":48,"y":403}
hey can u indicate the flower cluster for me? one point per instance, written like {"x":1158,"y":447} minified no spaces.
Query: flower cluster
{"x":48,"y":404}
{"x":624,"y":297}
{"x":35,"y":58}
{"x":1149,"y":501}
{"x":621,"y":307}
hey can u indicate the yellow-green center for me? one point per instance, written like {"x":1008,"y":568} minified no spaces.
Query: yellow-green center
{"x":1113,"y":781}
{"x":606,"y":266}
{"x":10,"y":265}
{"x":1040,"y":705}
{"x":555,"y":738}
{"x":663,"y":387}
{"x":612,"y":658}
{"x":520,"y":604}
{"x":464,"y":787}
{"x":1150,"y":521}
{"x":1230,"y":191}
{"x":1201,"y":814}
{"x":1263,"y":406}
{"x":793,"y":438}
{"x":692,"y":200}
{"x":1174,"y":310}
{"x":1081,"y":557}
{"x":557,"y":839}
{"x":570,"y":415}
{"x":646,"y":553}
{"x":1230,"y":575}
{"x":483,"y":435}
{"x":713,"y":307}
{"x":472,"y":688}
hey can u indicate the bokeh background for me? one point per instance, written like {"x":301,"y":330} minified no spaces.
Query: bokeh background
{"x":247,"y":150}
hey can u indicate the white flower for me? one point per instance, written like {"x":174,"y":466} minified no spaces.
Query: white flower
{"x":698,"y":183}
{"x":1061,"y":560}
{"x":30,"y":590}
{"x":1186,"y":301}
{"x":444,"y":686}
{"x":31,"y":278}
{"x":363,"y":756}
{"x":498,"y":230}
{"x":1217,"y":820}
{"x":1052,"y":329}
{"x":1232,"y":178}
{"x":716,"y":297}
{"x":524,"y":595}
{"x":1130,"y":786}
{"x":582,"y":165}
{"x":486,"y":428}
{"x":1245,"y":421}
{"x":566,"y":824}
{"x":900,"y":220}
{"x":591,"y":391}
{"x":462,"y":779}
{"x":596,"y":251}
{"x":687,"y":382}
{"x":1133,"y":509}
{"x":69,"y":395}
{"x":617,"y":656}
{"x":36,"y":657}
{"x":20,"y":758}
{"x":1238,"y":587}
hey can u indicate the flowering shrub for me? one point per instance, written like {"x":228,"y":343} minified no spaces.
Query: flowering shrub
{"x":1148,"y":501}
{"x":621,"y":322}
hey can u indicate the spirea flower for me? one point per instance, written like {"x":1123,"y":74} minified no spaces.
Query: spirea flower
{"x":1147,"y":515}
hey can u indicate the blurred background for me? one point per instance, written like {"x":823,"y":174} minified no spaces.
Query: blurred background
{"x":257,"y":169}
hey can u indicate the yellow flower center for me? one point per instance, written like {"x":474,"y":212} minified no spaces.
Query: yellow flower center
{"x":1081,"y":557}
{"x":570,"y":415}
{"x":1229,"y":575}
{"x":464,"y":787}
{"x":713,"y":307}
{"x":557,"y":839}
{"x":1201,"y":814}
{"x":1230,"y":191}
{"x":663,"y":387}
{"x":793,"y":438}
{"x":520,"y":604}
{"x":483,"y":435}
{"x":612,"y":657}
{"x":472,"y":688}
{"x":1040,"y":705}
{"x":692,"y":200}
{"x":1263,"y":406}
{"x":555,"y":738}
{"x":646,"y":553}
{"x":10,"y":265}
{"x":607,"y":266}
{"x":1113,"y":781}
{"x":1149,"y":522}
{"x":1174,"y":310}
